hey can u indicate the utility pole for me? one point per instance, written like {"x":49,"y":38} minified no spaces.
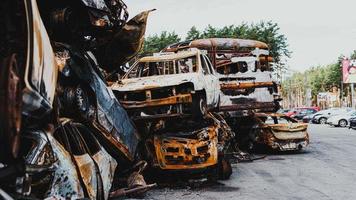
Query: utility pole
{"x":352,"y":96}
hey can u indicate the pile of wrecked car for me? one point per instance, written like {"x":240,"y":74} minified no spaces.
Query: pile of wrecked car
{"x":68,"y":133}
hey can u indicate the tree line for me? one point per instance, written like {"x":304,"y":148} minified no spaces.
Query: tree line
{"x":318,"y":79}
{"x":268,"y":32}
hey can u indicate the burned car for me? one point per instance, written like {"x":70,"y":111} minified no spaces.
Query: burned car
{"x":169,"y":84}
{"x":280,"y":132}
{"x":191,"y":146}
{"x":244,"y":71}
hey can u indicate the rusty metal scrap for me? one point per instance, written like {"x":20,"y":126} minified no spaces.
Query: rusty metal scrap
{"x":282,"y":136}
{"x":126,"y":43}
{"x":245,"y":85}
{"x":10,"y":109}
{"x":184,"y":153}
{"x":215,"y":44}
{"x":172,"y":100}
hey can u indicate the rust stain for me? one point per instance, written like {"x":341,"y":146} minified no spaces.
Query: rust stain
{"x":245,"y":85}
{"x":182,"y":153}
{"x":177,"y":99}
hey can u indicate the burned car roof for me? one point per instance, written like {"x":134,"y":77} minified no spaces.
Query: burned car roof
{"x":172,"y":56}
{"x":218,"y":43}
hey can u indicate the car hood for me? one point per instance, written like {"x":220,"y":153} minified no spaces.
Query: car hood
{"x":154,"y":82}
{"x":290,"y":131}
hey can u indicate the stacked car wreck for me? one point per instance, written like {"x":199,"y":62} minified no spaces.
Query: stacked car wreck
{"x":65,"y":134}
{"x":171,"y":94}
{"x":70,"y":131}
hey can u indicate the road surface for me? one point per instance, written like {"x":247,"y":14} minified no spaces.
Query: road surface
{"x":325,"y":170}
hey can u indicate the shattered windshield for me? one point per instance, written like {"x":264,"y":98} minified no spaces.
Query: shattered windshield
{"x":165,"y":67}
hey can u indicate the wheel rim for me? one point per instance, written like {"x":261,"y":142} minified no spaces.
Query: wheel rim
{"x":202,"y":106}
{"x":322,"y":121}
{"x":342,"y":123}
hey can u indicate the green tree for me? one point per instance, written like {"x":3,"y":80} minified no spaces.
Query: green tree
{"x":157,"y":42}
{"x":193,"y":33}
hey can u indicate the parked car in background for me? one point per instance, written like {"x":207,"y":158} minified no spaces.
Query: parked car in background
{"x":308,"y":118}
{"x":304,"y":112}
{"x":322,"y":116}
{"x":352,"y":123}
{"x":295,"y":111}
{"x":283,"y":111}
{"x":341,"y":120}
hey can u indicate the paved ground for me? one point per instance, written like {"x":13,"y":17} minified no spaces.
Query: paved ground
{"x":325,"y":170}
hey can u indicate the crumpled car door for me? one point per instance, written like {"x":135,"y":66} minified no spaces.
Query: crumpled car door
{"x":65,"y":180}
{"x":41,"y":69}
{"x":102,"y":158}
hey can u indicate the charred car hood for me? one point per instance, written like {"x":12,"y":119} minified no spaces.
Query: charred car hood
{"x":289,"y":131}
{"x":154,"y":82}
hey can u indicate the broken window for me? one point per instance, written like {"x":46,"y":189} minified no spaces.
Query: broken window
{"x":187,"y":65}
{"x":167,"y":67}
{"x":204,"y":65}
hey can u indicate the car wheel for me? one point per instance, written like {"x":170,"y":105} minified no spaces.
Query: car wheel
{"x":200,"y":108}
{"x":342,"y":123}
{"x":322,"y":120}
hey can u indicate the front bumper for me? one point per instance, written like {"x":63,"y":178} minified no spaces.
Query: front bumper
{"x":178,"y":153}
{"x":287,"y":144}
{"x":253,"y":107}
{"x":172,"y":100}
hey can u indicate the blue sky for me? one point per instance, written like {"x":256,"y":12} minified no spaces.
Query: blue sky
{"x":318,"y":31}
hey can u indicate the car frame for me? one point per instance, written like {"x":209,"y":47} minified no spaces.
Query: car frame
{"x":289,"y":136}
{"x":173,"y":92}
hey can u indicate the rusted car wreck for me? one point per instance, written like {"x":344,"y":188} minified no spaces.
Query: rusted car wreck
{"x":280,"y":132}
{"x":244,"y":71}
{"x":170,"y":84}
{"x":191,"y":146}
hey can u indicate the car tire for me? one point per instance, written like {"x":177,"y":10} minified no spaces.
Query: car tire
{"x":322,"y":120}
{"x":200,"y":108}
{"x":342,"y":123}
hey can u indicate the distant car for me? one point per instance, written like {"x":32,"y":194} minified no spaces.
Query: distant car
{"x":295,"y":111}
{"x":322,"y":116}
{"x":280,"y":132}
{"x":283,"y":111}
{"x":308,"y":118}
{"x":341,"y":120}
{"x":304,"y":112}
{"x":352,"y":123}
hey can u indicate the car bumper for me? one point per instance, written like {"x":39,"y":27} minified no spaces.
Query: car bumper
{"x":173,"y":100}
{"x":179,"y":153}
{"x":256,"y":106}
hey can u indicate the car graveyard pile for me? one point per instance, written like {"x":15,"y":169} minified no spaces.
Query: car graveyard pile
{"x":70,"y":131}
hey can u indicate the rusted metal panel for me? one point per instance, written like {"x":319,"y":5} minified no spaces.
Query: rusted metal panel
{"x":116,"y":131}
{"x":182,"y":153}
{"x":10,"y":109}
{"x":125,"y":44}
{"x":247,"y":85}
{"x":41,"y":68}
{"x":178,"y":99}
{"x":65,"y":182}
{"x":257,"y":106}
{"x":218,"y":44}
{"x":282,"y":136}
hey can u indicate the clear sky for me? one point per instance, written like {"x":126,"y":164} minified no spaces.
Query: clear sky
{"x":318,"y":31}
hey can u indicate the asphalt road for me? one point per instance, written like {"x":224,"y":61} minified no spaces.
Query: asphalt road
{"x":325,"y":170}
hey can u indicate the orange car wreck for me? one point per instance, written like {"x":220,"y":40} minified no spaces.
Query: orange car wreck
{"x":191,"y":145}
{"x":281,"y":132}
